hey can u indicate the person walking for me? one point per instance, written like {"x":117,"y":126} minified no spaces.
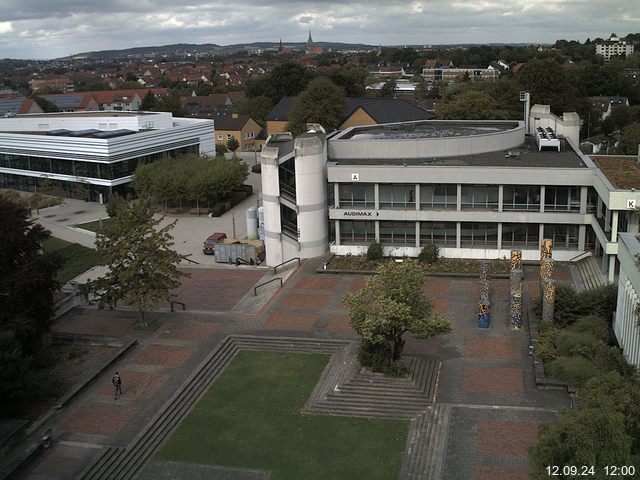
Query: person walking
{"x":117,"y":384}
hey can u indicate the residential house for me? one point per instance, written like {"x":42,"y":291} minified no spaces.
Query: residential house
{"x":74,"y":102}
{"x":607,"y":104}
{"x":17,"y":105}
{"x":211,"y":106}
{"x":241,"y":127}
{"x":358,"y":111}
{"x":61,"y":83}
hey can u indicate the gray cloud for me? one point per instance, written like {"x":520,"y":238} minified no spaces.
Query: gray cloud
{"x":53,"y":28}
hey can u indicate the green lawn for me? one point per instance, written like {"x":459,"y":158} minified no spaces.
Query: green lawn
{"x":252,"y":417}
{"x":95,"y":225}
{"x":77,"y":259}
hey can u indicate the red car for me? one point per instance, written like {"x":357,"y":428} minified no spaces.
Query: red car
{"x":209,"y":245}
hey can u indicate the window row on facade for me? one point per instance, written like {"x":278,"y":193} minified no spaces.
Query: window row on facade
{"x":78,"y":168}
{"x":472,"y":197}
{"x":445,"y":234}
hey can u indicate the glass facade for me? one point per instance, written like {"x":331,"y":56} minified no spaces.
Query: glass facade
{"x":356,"y":195}
{"x":520,"y":235}
{"x":438,"y":197}
{"x":562,"y":199}
{"x":483,"y":235}
{"x":398,"y":233}
{"x":521,"y":197}
{"x":565,"y":237}
{"x":357,"y":233}
{"x":78,"y":168}
{"x":480,"y":197}
{"x":397,"y":195}
{"x":442,"y":234}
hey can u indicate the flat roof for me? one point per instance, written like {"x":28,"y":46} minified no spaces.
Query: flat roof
{"x":428,"y":129}
{"x":99,"y":113}
{"x":526,"y":155}
{"x":622,"y":171}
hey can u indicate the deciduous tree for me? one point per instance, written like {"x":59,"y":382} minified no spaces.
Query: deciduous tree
{"x":471,"y":105}
{"x":142,"y":266}
{"x":322,"y":102}
{"x":391,"y":304}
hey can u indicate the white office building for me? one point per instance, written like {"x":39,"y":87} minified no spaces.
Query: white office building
{"x":476,"y":189}
{"x":98,"y":149}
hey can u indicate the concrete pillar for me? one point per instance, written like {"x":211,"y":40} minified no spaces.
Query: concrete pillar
{"x":500,"y":201}
{"x":336,"y":194}
{"x":542,"y":200}
{"x":584,"y":191}
{"x":376,"y":196}
{"x":614,"y":226}
{"x":612,"y":268}
{"x":377,"y":231}
{"x":459,"y":197}
{"x":499,"y":236}
{"x":416,"y":189}
{"x":337,"y":230}
{"x":582,"y":237}
{"x":418,"y":234}
{"x":271,"y":203}
{"x":458,"y":232}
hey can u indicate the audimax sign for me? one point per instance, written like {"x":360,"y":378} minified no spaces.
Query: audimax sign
{"x":360,"y":213}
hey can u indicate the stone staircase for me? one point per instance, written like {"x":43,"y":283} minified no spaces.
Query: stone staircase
{"x":116,"y":463}
{"x":368,"y":394}
{"x":588,"y":274}
{"x":427,"y":444}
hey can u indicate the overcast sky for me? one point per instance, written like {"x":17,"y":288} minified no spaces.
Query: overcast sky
{"x":54,"y":28}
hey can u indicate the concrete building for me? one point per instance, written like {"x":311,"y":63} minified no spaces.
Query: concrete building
{"x":614,"y":47}
{"x":100,"y":150}
{"x":625,"y":324}
{"x":476,"y":189}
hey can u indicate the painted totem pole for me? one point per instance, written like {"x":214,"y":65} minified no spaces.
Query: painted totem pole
{"x":484,"y":305}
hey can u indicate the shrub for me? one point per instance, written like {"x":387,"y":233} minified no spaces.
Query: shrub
{"x":257,"y":168}
{"x":546,"y":341}
{"x":573,"y":370}
{"x":570,"y":305}
{"x":429,"y":254}
{"x":593,"y":324}
{"x":221,"y":148}
{"x":374,"y":252}
{"x":575,"y":343}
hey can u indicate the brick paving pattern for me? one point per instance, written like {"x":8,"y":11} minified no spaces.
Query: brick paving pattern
{"x":291,"y":321}
{"x":302,"y":300}
{"x":506,"y":438}
{"x":486,"y":377}
{"x":215,"y":289}
{"x":101,"y":418}
{"x":498,"y":348}
{"x":495,"y":472}
{"x":163,"y":355}
{"x":493,"y":380}
{"x":185,"y":330}
{"x":137,"y":384}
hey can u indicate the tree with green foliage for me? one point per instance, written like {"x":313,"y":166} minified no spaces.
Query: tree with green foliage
{"x":548,"y":83}
{"x":388,"y":90}
{"x":27,"y":285}
{"x":471,"y":105}
{"x":605,"y":430}
{"x":352,"y":78}
{"x":391,"y":304}
{"x":189,"y":178}
{"x":287,"y":79}
{"x":233,"y":144}
{"x":171,"y":103}
{"x":142,"y":265}
{"x":630,"y":139}
{"x":322,"y":102}
{"x":149,"y":102}
{"x":27,"y":277}
{"x":257,"y":108}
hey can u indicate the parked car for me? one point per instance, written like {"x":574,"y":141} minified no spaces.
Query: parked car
{"x":209,"y":245}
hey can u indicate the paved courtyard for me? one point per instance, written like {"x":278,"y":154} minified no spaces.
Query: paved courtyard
{"x":486,"y":378}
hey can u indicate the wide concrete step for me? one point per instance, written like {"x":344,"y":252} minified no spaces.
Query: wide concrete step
{"x":364,"y":411}
{"x":426,"y":445}
{"x":590,"y":274}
